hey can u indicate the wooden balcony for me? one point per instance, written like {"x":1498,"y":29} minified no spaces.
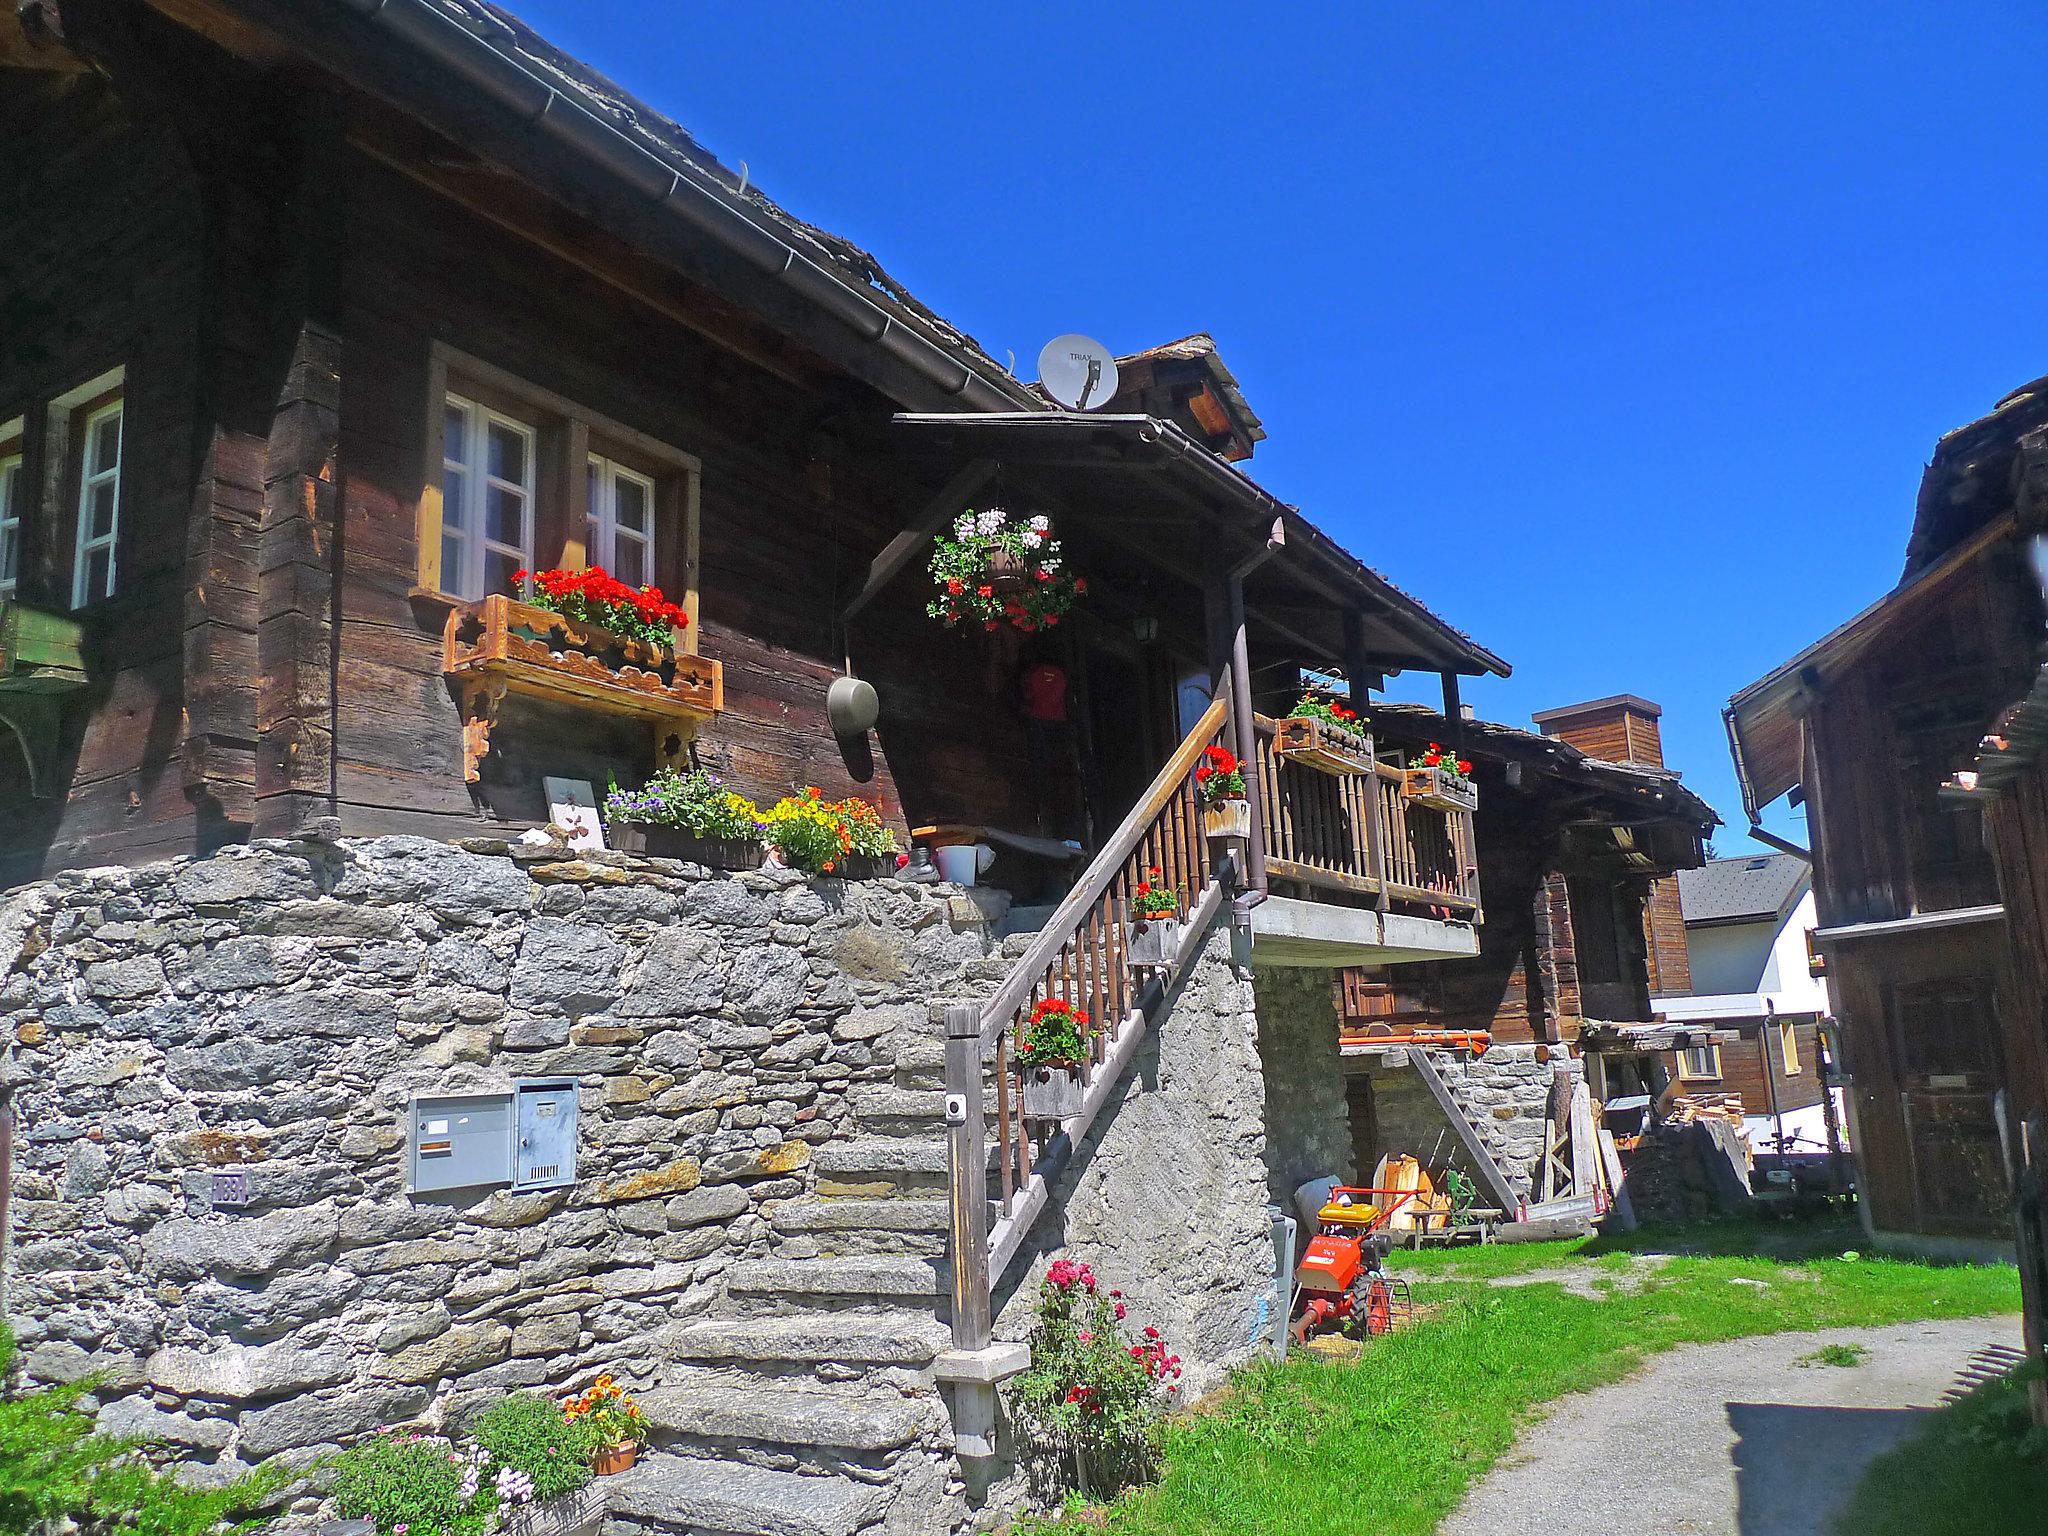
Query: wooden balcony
{"x":1349,"y":834}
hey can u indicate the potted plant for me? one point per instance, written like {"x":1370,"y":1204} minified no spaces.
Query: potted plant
{"x":1325,"y":734}
{"x":595,"y":596}
{"x":1441,"y":781}
{"x":617,"y":1427}
{"x":1152,"y":936}
{"x":1049,"y":1058}
{"x":689,"y":816}
{"x":1219,"y":780}
{"x":993,"y":571}
{"x":846,"y":838}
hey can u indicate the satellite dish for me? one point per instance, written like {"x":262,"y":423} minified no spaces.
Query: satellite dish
{"x":1077,"y":371}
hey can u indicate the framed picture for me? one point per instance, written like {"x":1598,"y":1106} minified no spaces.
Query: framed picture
{"x":572,"y":806}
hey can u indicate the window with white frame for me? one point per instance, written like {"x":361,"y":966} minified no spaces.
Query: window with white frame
{"x":13,"y":494}
{"x":621,"y":532}
{"x":1788,"y":1046}
{"x":1700,"y":1061}
{"x":487,"y":493}
{"x":99,"y":504}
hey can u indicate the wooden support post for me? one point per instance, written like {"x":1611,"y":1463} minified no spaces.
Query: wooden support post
{"x":1496,"y":1181}
{"x":967,"y":1179}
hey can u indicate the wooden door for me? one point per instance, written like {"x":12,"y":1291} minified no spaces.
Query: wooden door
{"x":1945,"y":1043}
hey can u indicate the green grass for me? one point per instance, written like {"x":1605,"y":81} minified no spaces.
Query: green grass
{"x":1976,"y":1467}
{"x":1392,"y":1442}
{"x":1846,"y":1356}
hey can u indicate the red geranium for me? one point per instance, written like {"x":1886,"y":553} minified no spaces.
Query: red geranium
{"x":595,"y":596}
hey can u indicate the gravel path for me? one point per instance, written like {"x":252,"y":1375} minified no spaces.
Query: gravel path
{"x":1731,"y":1439}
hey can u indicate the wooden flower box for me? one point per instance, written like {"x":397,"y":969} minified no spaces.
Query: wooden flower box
{"x":659,"y":842}
{"x":1227,"y":818}
{"x":1322,"y":746}
{"x":1435,"y":790}
{"x":42,"y":665}
{"x":1051,"y":1093}
{"x":1151,"y":943}
{"x":500,"y":646}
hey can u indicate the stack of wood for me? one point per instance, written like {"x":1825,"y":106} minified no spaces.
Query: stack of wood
{"x":1693,"y":1163}
{"x":1690,"y":1108}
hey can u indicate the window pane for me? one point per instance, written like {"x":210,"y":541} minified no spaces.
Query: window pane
{"x":106,"y":443}
{"x":498,"y":569}
{"x":506,"y":453}
{"x":454,"y":499}
{"x":454,"y":431}
{"x":451,"y":564}
{"x":629,"y":562}
{"x":504,"y":516}
{"x":101,"y":506}
{"x":99,"y":573}
{"x":630,"y":504}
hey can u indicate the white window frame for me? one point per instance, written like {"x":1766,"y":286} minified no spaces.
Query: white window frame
{"x":1687,"y":1064}
{"x":87,"y":544}
{"x":602,"y":522}
{"x":1788,"y":1047}
{"x":465,"y":523}
{"x":13,"y":474}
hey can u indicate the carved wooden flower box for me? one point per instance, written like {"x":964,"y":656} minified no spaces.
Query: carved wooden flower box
{"x":1435,"y":790}
{"x":42,"y":664}
{"x":1322,"y":746}
{"x":500,"y":646}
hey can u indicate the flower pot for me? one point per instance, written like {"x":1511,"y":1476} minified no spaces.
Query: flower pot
{"x":1227,"y":818}
{"x":1435,"y":790}
{"x":614,"y":1459}
{"x":1051,"y":1093}
{"x":676,"y":843}
{"x":865,"y":866}
{"x":1151,"y":943}
{"x":1008,"y":571}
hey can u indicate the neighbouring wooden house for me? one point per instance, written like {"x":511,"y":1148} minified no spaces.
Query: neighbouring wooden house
{"x":321,"y":319}
{"x":1908,"y":735}
{"x":1747,"y":922}
{"x":1575,"y":849}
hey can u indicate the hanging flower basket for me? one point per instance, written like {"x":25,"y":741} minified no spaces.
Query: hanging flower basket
{"x":1152,"y":936}
{"x":1052,"y":1093}
{"x":999,"y":573}
{"x":1050,"y":1049}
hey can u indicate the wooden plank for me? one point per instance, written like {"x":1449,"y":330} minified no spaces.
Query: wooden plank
{"x":1623,"y":1209}
{"x":1496,"y":1181}
{"x":1585,"y":1146}
{"x":951,"y":500}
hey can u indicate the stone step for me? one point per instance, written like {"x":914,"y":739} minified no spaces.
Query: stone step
{"x":855,"y":1278}
{"x":833,"y":1216}
{"x":765,"y":1416}
{"x":911,"y":1339}
{"x":688,"y":1494}
{"x":879,"y":1102}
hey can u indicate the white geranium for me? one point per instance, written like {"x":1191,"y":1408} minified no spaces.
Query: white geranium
{"x":1040,"y":524}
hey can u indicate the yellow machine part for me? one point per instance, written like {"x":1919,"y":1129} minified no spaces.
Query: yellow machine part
{"x":1361,"y":1213}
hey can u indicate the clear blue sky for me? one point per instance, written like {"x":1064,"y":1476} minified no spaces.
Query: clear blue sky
{"x":1619,"y":334}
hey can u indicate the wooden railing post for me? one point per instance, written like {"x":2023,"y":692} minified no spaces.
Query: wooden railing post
{"x":967,"y":1175}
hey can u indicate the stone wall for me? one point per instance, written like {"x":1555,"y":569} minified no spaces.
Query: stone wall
{"x":1505,"y":1095}
{"x":1308,"y":1124}
{"x":270,"y":1010}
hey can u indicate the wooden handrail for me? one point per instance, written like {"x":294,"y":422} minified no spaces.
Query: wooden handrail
{"x":1094,"y":883}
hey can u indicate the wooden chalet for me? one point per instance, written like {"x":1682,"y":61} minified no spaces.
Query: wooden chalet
{"x":1575,"y":850}
{"x":325,"y":318}
{"x":1910,"y":736}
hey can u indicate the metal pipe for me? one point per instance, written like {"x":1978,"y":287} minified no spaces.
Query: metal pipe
{"x":1243,"y":726}
{"x":695,"y":198}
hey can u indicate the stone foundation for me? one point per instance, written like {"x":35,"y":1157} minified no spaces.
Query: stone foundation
{"x":268,"y":1011}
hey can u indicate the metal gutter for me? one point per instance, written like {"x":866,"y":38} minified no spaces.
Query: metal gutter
{"x":683,"y":191}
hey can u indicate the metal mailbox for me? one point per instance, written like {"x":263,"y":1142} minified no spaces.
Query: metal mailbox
{"x":460,"y":1141}
{"x":544,"y":1154}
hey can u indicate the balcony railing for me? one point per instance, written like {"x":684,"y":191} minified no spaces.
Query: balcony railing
{"x":1356,"y":836}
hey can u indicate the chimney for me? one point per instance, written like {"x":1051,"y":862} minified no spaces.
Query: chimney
{"x":1620,"y":729}
{"x":1623,"y":729}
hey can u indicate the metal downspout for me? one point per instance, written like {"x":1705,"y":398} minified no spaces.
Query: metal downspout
{"x":1244,"y":727}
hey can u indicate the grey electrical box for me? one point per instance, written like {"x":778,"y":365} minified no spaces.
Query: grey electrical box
{"x":544,"y":1123}
{"x":461,"y":1141}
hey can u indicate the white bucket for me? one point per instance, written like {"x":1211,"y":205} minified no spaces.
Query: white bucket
{"x":957,"y":865}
